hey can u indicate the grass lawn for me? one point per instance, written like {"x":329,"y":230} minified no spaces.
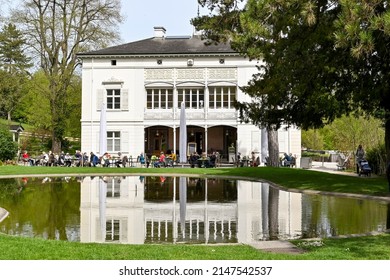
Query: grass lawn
{"x":23,"y":248}
{"x":290,"y":178}
{"x":366,"y":248}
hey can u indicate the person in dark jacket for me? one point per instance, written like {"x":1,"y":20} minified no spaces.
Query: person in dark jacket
{"x":93,"y":159}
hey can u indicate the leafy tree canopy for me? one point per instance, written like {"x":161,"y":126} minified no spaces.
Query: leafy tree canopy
{"x":57,"y":31}
{"x":322,"y":59}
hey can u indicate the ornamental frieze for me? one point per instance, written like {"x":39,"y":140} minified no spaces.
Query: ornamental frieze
{"x":159,"y":74}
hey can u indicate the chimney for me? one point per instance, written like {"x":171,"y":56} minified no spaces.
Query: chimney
{"x":159,"y":32}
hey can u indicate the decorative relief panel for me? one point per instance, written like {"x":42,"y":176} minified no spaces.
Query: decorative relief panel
{"x":158,"y":74}
{"x":158,"y":116}
{"x":190,"y":74}
{"x":197,"y":116}
{"x":222,"y":116}
{"x":192,"y":115}
{"x":222,"y":73}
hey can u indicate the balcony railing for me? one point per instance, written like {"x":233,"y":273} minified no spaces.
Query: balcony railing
{"x":222,"y":114}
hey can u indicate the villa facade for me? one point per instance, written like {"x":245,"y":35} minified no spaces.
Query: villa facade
{"x":143,"y":84}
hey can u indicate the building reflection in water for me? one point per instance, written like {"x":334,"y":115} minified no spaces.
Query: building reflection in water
{"x":139,"y":210}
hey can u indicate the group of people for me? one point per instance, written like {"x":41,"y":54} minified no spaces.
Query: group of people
{"x":78,"y":159}
{"x":162,"y":160}
{"x":169,"y":160}
{"x":203,"y":161}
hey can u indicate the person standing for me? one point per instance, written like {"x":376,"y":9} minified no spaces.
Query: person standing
{"x":360,"y":155}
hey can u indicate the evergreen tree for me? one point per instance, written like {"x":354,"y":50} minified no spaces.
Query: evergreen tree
{"x":13,"y":68}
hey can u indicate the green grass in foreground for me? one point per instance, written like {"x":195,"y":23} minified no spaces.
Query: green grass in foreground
{"x":291,"y":178}
{"x":366,"y":248}
{"x":22,"y":248}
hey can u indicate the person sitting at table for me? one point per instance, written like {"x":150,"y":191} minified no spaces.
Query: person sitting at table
{"x":67,"y":160}
{"x":169,"y":161}
{"x":106,"y":159}
{"x":43,"y":159}
{"x":253,"y":160}
{"x":193,"y":159}
{"x":286,"y":160}
{"x":147,"y":160}
{"x":125,"y":161}
{"x":26,"y":158}
{"x":174,"y":157}
{"x":162,"y":160}
{"x":154,"y":161}
{"x":93,"y":159}
{"x":60,"y":159}
{"x":213,"y":159}
{"x":119,"y":160}
{"x":84,"y":160}
{"x":79,"y":158}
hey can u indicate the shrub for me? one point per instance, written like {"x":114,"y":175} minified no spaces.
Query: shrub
{"x":376,"y":158}
{"x":316,"y":156}
{"x":8,"y":148}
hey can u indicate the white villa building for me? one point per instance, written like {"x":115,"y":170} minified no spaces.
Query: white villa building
{"x":143,"y":84}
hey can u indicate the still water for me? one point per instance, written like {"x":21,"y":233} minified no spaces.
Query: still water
{"x":140,"y":210}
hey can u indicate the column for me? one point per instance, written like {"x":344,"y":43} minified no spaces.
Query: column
{"x":174,"y":138}
{"x":205,"y":138}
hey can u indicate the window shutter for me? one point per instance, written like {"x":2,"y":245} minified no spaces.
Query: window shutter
{"x":125,"y":141}
{"x":99,"y":99}
{"x":125,"y":100}
{"x":123,"y":231}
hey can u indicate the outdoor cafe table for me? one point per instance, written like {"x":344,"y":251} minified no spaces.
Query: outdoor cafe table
{"x":203,"y":162}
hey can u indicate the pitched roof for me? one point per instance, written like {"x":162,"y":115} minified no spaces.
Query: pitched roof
{"x":164,"y":46}
{"x":16,"y":127}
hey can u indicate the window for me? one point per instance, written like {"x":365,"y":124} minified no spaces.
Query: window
{"x":193,"y":98}
{"x":113,"y":62}
{"x":113,"y":141}
{"x":112,"y":230}
{"x":159,"y":98}
{"x":113,"y":99}
{"x":114,"y":188}
{"x":222,"y":97}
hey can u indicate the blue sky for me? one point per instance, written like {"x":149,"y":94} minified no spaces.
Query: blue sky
{"x":143,"y":15}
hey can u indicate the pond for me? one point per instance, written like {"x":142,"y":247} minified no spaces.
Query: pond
{"x":158,"y":209}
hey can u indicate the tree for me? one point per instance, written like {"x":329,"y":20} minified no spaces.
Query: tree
{"x":345,"y":134}
{"x":13,"y":67}
{"x":58,"y":30}
{"x":310,"y":77}
{"x":312,"y":139}
{"x":8,"y":148}
{"x":35,"y":106}
{"x":364,"y":28}
{"x":224,"y":25}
